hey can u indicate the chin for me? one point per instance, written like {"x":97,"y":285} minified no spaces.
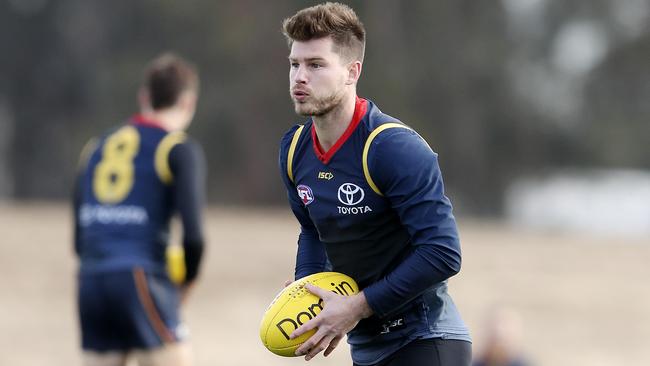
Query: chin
{"x":303,"y":109}
{"x":317,"y":107}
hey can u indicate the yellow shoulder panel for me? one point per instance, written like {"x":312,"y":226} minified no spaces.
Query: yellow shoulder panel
{"x":292,"y":150}
{"x":161,"y":161}
{"x":366,"y":148}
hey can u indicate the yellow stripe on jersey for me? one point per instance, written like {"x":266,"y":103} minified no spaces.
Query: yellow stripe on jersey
{"x":161,"y":161}
{"x":366,"y":148}
{"x":292,"y":150}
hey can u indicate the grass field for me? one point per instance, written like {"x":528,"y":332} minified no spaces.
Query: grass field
{"x":583,"y":300}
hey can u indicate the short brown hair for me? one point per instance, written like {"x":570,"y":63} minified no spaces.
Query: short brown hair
{"x":334,"y":20}
{"x":167,"y":77}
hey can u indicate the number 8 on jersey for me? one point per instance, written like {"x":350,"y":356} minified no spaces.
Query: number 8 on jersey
{"x":113,"y":178}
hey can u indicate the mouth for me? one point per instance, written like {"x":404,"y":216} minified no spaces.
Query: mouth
{"x":299,"y":95}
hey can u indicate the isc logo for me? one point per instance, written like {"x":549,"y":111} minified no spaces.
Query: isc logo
{"x":325,"y":175}
{"x":288,"y":325}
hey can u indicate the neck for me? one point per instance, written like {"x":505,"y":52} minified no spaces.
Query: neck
{"x":169,"y":119}
{"x":331,"y":126}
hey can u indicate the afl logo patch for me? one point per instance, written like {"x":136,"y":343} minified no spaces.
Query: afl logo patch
{"x":305,"y":194}
{"x":350,"y":194}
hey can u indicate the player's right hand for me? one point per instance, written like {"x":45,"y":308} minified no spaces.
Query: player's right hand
{"x":340,"y":315}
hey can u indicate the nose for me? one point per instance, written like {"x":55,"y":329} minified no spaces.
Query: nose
{"x":299,"y":75}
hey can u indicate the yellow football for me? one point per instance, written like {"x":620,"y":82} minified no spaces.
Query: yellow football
{"x":176,"y":263}
{"x":294,"y":306}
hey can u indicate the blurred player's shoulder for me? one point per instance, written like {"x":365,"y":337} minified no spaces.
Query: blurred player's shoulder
{"x":86,"y":152}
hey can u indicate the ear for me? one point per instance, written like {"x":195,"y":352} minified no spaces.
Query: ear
{"x":187,"y":100}
{"x":354,"y":72}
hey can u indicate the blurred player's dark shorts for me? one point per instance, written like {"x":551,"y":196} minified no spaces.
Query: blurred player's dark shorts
{"x":129,"y":309}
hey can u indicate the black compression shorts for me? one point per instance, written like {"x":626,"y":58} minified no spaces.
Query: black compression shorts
{"x":431,"y":352}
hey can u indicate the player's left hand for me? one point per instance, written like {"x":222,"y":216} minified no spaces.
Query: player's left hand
{"x":340,"y":314}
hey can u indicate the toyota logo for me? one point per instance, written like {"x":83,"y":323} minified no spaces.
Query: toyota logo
{"x":350,"y":194}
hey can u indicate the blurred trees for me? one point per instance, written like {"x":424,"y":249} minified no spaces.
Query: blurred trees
{"x":499,"y":89}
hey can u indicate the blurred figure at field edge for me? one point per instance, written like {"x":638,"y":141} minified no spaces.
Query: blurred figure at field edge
{"x":502,"y":340}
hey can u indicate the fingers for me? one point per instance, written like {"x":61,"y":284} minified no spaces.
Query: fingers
{"x":287,"y":283}
{"x":325,"y":338}
{"x":308,"y":344}
{"x":322,"y":293}
{"x":319,"y":347}
{"x":332,"y":345}
{"x":305,"y":328}
{"x":312,"y":348}
{"x":315,"y":322}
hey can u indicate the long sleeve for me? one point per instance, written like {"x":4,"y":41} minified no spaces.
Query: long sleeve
{"x":311,"y":256}
{"x":406,"y":170}
{"x":187,"y":163}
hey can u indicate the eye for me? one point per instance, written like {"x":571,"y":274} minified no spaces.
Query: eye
{"x":294,"y":65}
{"x":315,"y":65}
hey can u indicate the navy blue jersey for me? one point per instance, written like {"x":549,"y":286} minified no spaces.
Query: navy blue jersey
{"x":373,"y":207}
{"x":128,"y":191}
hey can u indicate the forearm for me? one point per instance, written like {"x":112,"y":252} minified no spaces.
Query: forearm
{"x":361,"y":306}
{"x":407,"y":171}
{"x":311,"y":256}
{"x":425,"y":267}
{"x":188,"y":165}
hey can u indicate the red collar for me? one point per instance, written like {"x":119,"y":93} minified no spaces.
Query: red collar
{"x":141,"y":120}
{"x":360,"y":108}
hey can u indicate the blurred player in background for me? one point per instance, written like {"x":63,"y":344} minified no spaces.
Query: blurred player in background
{"x":368,"y":194}
{"x":132,"y":180}
{"x":502,"y":339}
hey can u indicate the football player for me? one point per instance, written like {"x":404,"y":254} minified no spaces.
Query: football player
{"x":368,"y":194}
{"x":132,"y":180}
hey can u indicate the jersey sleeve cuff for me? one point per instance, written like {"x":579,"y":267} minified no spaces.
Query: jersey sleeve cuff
{"x":375,"y":299}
